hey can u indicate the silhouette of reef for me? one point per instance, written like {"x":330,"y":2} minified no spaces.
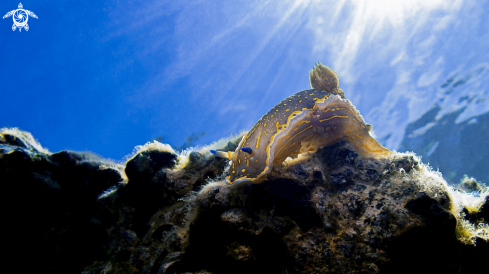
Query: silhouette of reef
{"x":162,"y":212}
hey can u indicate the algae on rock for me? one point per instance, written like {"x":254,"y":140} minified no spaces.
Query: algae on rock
{"x":325,"y":212}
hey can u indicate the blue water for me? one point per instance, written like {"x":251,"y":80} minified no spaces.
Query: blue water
{"x":107,"y":76}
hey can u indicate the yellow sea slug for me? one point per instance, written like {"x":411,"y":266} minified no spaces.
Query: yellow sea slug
{"x":321,"y":117}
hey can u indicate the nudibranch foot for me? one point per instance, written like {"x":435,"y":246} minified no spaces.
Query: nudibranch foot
{"x":302,"y":123}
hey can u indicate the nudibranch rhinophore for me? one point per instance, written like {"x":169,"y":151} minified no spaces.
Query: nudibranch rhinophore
{"x":303,"y":122}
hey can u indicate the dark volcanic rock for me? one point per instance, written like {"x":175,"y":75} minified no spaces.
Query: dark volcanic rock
{"x":327,"y":212}
{"x":52,"y":208}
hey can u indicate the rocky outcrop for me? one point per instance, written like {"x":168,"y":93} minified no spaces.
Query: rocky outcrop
{"x":163,"y":212}
{"x":448,"y":135}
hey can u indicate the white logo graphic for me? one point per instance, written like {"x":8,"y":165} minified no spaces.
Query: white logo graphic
{"x":20,"y":16}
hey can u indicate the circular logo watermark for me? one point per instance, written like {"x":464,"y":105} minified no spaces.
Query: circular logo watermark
{"x":20,"y":17}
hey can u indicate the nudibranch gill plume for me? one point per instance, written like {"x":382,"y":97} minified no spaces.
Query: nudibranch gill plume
{"x":303,"y":122}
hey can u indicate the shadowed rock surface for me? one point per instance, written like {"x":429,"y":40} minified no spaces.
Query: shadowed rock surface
{"x":327,"y":212}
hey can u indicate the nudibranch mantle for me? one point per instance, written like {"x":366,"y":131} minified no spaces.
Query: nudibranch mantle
{"x":303,"y":122}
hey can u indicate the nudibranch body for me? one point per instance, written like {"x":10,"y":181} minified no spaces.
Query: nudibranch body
{"x":303,"y":122}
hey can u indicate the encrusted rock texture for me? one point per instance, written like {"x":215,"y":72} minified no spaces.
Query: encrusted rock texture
{"x":327,"y":212}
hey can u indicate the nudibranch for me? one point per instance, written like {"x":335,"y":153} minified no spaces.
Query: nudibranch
{"x":303,"y":122}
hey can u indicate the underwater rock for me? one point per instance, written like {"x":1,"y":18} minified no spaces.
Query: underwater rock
{"x":326,"y":198}
{"x":451,"y":146}
{"x":469,"y":185}
{"x":331,"y":211}
{"x":155,"y":180}
{"x":52,"y":211}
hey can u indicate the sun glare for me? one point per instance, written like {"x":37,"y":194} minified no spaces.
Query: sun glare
{"x":344,"y":27}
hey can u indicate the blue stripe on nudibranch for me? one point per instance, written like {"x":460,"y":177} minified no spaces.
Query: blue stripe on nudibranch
{"x":303,"y":122}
